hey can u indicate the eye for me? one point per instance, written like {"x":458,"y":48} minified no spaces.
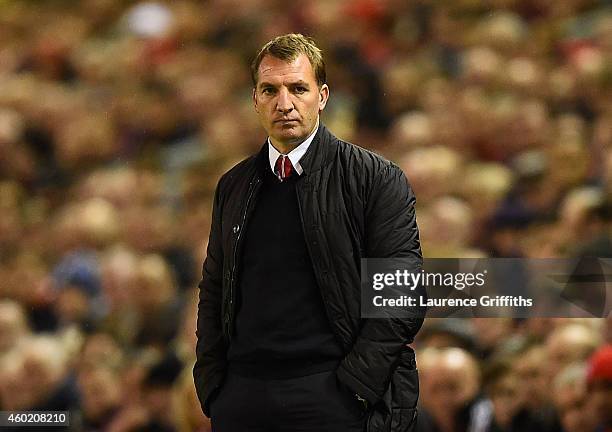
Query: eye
{"x":300,"y":89}
{"x":268,"y":91}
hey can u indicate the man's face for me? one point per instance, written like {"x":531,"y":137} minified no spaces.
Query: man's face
{"x":504,"y":396}
{"x":532,"y":377}
{"x":288,"y":100}
{"x":448,"y":388}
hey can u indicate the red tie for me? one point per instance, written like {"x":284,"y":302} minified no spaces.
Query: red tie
{"x":283,"y":168}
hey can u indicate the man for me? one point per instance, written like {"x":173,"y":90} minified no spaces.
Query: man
{"x":281,"y":344}
{"x":450,"y":380}
{"x":571,"y":399}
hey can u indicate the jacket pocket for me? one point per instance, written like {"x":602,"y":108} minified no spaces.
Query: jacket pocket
{"x":403,"y":419}
{"x":396,"y":411}
{"x":404,"y":387}
{"x":398,"y":420}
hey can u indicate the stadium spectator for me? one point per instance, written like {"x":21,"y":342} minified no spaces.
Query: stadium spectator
{"x":570,"y":395}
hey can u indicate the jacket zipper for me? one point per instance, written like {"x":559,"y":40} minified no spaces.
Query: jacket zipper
{"x":229,"y":320}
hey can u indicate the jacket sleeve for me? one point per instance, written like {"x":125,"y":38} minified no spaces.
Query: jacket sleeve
{"x":390,"y":232}
{"x":209,"y":369}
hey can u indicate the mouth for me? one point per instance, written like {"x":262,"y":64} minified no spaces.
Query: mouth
{"x":285,"y":121}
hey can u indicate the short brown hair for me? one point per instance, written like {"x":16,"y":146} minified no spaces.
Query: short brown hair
{"x":289,"y":47}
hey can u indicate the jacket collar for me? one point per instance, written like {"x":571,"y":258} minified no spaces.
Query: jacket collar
{"x":319,"y":152}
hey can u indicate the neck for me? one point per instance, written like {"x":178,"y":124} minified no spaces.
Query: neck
{"x":284,"y":148}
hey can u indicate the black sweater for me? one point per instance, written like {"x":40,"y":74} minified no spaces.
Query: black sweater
{"x":282,"y":330}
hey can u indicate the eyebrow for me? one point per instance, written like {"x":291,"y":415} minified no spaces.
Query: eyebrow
{"x":292,"y":84}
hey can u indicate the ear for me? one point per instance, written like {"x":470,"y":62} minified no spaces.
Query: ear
{"x":323,"y":96}
{"x":255,"y":99}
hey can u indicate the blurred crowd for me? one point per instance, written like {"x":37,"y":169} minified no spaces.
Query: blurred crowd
{"x":118,"y":117}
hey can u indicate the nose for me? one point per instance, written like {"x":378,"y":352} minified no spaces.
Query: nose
{"x":284,"y":104}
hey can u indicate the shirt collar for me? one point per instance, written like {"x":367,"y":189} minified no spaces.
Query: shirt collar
{"x":294,"y":155}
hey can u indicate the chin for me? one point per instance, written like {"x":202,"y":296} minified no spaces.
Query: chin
{"x":288,"y":134}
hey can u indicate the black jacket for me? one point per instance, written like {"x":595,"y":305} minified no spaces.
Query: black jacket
{"x":353,"y":204}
